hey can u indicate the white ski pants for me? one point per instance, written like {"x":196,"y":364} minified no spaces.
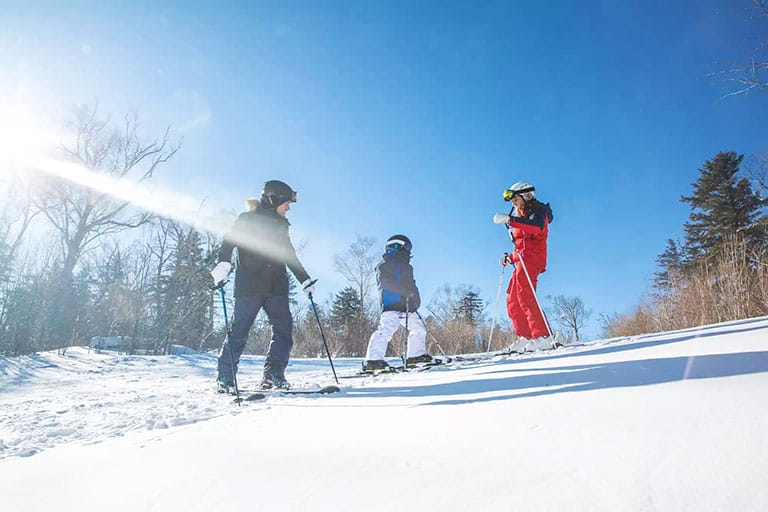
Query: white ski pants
{"x":388,"y":324}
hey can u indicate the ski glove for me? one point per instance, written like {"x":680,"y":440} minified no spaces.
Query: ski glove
{"x":220,"y":274}
{"x":500,"y":218}
{"x":309,"y":287}
{"x":505,"y":260}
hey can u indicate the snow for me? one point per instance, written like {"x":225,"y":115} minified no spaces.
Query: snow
{"x":674,"y":421}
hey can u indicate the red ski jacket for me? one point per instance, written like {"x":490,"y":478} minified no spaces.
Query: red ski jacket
{"x":529,"y":235}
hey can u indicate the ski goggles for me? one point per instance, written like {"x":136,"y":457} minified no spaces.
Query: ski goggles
{"x":398,"y":245}
{"x":509,"y":193}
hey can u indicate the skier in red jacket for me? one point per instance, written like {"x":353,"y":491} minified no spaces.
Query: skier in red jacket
{"x":528,"y":226}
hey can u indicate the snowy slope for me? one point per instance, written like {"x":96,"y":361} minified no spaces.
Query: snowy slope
{"x":675,"y":421}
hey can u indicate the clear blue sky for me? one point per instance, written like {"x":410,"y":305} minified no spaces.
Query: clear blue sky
{"x":413,"y":117}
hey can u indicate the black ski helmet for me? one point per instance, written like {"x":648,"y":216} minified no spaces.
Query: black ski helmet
{"x":276,"y":192}
{"x":402,"y":242}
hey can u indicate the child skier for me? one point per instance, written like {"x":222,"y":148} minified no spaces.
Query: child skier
{"x":400,"y":301}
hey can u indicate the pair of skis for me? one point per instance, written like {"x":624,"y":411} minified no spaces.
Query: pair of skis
{"x":419,"y":367}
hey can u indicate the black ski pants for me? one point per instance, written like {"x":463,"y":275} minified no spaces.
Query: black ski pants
{"x":246,"y":309}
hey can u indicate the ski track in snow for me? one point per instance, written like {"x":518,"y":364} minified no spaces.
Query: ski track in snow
{"x":50,"y":399}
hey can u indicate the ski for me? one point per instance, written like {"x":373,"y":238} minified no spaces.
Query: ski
{"x":251,"y":396}
{"x":399,"y":369}
{"x":374,"y":373}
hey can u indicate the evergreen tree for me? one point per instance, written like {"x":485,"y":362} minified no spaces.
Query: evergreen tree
{"x":292,"y":288}
{"x":469,"y":308}
{"x":346,"y":307}
{"x":185,"y":299}
{"x":670,"y":264}
{"x":722,"y":205}
{"x":349,"y":322}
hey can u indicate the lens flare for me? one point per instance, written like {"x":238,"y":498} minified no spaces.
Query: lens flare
{"x":25,"y":144}
{"x":164,"y":203}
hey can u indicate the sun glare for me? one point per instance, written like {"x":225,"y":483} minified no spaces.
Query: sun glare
{"x":22,"y":137}
{"x":24,"y":147}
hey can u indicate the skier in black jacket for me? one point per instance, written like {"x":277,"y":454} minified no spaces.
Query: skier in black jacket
{"x":264,"y":249}
{"x":399,"y":297}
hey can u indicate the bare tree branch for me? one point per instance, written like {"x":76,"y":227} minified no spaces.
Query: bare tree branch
{"x":81,"y":216}
{"x":751,"y":75}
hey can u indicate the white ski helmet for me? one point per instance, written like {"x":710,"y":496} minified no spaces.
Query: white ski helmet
{"x":521,"y":188}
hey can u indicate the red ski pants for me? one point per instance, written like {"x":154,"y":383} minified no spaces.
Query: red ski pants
{"x":526,"y":316}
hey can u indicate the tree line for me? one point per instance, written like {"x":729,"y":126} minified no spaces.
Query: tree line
{"x":718,"y":270}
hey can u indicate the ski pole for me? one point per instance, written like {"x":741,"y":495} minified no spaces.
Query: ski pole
{"x":426,"y":328}
{"x":322,"y":335}
{"x":405,"y":334}
{"x":530,"y":283}
{"x":229,"y":345}
{"x":496,"y":307}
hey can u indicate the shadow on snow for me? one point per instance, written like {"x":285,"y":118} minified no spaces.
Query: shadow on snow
{"x":571,"y":379}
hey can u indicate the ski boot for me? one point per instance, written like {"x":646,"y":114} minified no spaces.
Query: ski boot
{"x":274,"y":378}
{"x":422,"y":360}
{"x":371,"y":365}
{"x":543,"y":343}
{"x":518,"y":346}
{"x":225,"y":387}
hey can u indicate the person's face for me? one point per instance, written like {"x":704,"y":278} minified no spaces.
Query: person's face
{"x":283,"y":208}
{"x":518,"y":201}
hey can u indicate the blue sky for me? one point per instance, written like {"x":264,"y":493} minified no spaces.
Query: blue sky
{"x":413,"y":117}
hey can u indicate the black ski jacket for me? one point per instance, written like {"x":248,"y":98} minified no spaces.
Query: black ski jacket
{"x":264,"y":249}
{"x":394,"y":275}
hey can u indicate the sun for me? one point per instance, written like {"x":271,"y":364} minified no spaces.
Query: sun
{"x":23,"y":137}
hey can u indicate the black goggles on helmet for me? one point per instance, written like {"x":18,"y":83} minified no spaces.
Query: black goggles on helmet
{"x":284,"y":198}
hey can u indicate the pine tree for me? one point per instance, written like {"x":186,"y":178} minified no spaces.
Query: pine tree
{"x":469,"y":308}
{"x":184,"y":297}
{"x":723,"y":205}
{"x":350,"y":323}
{"x":670,"y":264}
{"x":346,"y":307}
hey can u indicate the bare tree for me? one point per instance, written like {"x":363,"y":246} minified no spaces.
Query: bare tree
{"x":16,"y":215}
{"x":752,"y":74}
{"x":80,"y":215}
{"x":756,"y":168}
{"x":357,"y":265}
{"x":571,"y":314}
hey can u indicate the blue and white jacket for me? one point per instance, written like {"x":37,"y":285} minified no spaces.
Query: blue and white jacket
{"x":394,"y":275}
